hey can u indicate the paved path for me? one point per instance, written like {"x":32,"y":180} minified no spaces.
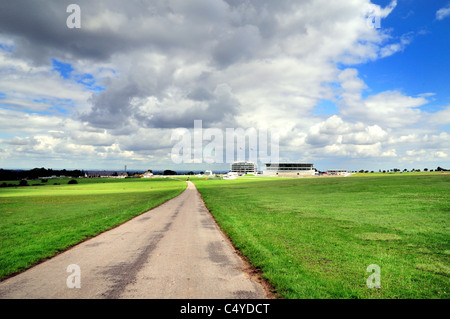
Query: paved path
{"x":173,"y":251}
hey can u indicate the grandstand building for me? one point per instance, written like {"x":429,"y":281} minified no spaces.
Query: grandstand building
{"x":244,"y":168}
{"x":289,"y":169}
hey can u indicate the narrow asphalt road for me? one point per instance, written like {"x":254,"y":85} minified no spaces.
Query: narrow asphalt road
{"x":173,"y":251}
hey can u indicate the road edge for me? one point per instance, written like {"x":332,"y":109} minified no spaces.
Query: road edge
{"x":251,"y":271}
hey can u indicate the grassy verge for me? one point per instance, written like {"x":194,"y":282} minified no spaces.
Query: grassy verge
{"x":37,"y":222}
{"x":428,"y":173}
{"x":315,"y":237}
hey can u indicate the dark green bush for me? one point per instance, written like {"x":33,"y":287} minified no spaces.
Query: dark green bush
{"x":23,"y":183}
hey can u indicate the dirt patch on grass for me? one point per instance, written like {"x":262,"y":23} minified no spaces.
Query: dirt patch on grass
{"x":437,"y":268}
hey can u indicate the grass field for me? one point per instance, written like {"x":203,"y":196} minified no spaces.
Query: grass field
{"x":36,"y":222}
{"x":315,"y":237}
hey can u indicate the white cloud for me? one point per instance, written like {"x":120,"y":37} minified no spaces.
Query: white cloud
{"x":389,"y":153}
{"x":105,"y":20}
{"x":336,"y":137}
{"x":440,"y":154}
{"x":353,"y":151}
{"x":444,"y":12}
{"x":424,"y":156}
{"x":393,"y":48}
{"x":388,"y":108}
{"x":439,"y":118}
{"x":38,"y":89}
{"x":370,"y":135}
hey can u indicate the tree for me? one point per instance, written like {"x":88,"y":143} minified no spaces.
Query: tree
{"x":23,"y":183}
{"x":425,"y":169}
{"x":169,"y":172}
{"x":73,"y":181}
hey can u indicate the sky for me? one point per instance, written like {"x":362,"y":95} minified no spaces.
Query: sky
{"x":346,"y":84}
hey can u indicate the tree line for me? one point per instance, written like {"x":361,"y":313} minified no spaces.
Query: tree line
{"x":36,"y":173}
{"x":395,"y":170}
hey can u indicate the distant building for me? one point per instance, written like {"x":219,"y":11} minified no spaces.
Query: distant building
{"x":336,"y":172}
{"x":122,"y":175}
{"x":229,"y":176}
{"x":208,"y":173}
{"x":244,"y":168}
{"x":289,"y":169}
{"x":148,"y":174}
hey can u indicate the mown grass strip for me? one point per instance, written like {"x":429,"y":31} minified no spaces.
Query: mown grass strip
{"x":315,"y":237}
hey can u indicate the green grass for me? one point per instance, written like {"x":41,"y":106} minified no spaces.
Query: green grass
{"x":37,"y":222}
{"x":434,"y":173}
{"x":315,"y":237}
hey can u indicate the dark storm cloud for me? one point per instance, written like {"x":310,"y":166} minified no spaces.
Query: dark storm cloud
{"x":212,"y":33}
{"x":216,"y":112}
{"x":200,"y":94}
{"x":242,"y":44}
{"x":40,"y":31}
{"x":112,"y":109}
{"x":39,"y":27}
{"x":173,"y":29}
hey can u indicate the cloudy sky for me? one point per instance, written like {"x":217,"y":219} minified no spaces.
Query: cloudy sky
{"x":348,"y":84}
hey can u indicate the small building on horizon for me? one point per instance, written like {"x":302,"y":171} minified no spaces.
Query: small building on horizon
{"x":208,"y":173}
{"x":147,"y":174}
{"x":337,"y":172}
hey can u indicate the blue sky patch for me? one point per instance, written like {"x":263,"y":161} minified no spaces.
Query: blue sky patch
{"x":7,"y":48}
{"x":64,"y":69}
{"x":326,"y":107}
{"x":67,"y":71}
{"x":418,"y":68}
{"x":88,"y":81}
